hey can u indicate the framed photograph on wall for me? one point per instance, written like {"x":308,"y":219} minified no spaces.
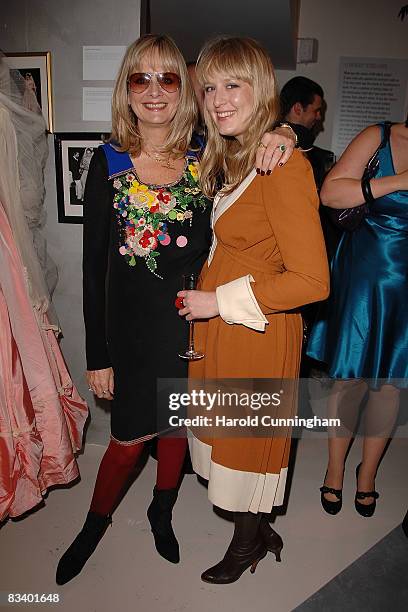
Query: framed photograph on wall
{"x":73,"y":154}
{"x":35,"y":70}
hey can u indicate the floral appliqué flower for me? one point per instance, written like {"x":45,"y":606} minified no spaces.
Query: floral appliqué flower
{"x":145,"y":212}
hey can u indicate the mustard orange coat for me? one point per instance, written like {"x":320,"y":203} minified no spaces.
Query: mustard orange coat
{"x":272,"y":232}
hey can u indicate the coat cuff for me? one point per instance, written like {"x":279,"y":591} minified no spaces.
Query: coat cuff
{"x":237,"y":304}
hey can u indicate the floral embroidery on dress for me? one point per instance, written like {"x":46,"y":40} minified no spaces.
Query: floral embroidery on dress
{"x":145,"y":212}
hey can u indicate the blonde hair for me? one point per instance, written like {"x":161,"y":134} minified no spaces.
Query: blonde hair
{"x":125,"y":132}
{"x":246,"y":60}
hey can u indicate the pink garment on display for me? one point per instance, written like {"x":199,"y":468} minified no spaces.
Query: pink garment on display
{"x":41,"y":413}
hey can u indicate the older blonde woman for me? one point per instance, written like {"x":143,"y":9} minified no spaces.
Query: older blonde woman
{"x":146,"y":223}
{"x":267,"y":259}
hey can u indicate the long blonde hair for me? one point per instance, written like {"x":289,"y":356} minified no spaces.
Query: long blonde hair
{"x":125,"y":132}
{"x":246,"y":60}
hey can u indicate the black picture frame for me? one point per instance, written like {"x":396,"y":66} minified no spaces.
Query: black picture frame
{"x":73,"y":153}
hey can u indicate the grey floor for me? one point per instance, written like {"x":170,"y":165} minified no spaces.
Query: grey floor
{"x":376,"y":581}
{"x":126,"y":573}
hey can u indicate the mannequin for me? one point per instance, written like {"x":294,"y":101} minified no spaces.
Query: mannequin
{"x":41,"y":413}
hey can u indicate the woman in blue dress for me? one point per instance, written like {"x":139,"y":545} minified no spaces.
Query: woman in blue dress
{"x":363,"y":331}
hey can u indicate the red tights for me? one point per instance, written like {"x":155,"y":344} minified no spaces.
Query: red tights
{"x":118,"y":463}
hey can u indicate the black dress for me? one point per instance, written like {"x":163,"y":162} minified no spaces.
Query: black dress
{"x":138,"y":241}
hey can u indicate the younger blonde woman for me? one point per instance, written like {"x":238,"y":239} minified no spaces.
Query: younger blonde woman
{"x":267,"y":260}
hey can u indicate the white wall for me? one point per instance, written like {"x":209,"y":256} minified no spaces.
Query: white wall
{"x":355,"y":28}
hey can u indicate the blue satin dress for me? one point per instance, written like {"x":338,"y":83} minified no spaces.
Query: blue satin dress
{"x":362,"y":331}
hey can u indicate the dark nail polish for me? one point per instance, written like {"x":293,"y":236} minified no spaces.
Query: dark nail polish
{"x":262,"y":173}
{"x":280,"y":164}
{"x":258,"y":171}
{"x":269,"y":172}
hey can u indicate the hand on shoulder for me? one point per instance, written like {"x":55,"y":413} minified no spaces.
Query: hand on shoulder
{"x":297,"y":162}
{"x":275,"y":149}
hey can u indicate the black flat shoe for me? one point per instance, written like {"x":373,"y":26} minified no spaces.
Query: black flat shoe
{"x":366,"y":510}
{"x":331,"y":507}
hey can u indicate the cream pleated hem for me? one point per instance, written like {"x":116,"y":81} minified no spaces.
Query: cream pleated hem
{"x":235,"y":490}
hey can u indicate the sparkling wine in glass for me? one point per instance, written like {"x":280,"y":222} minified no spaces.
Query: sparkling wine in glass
{"x":189,"y":283}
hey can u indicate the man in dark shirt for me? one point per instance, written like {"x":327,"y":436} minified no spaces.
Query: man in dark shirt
{"x":303,"y":106}
{"x":302,"y":103}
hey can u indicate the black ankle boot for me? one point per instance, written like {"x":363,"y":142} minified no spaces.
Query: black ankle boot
{"x":272,"y":540}
{"x":159,"y":514}
{"x":74,"y":559}
{"x":247,"y":548}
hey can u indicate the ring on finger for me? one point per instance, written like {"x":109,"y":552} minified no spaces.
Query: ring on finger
{"x":282,"y":148}
{"x":105,"y":392}
{"x":261,"y":144}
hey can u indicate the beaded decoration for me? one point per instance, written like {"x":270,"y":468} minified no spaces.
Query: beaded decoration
{"x":144,"y":213}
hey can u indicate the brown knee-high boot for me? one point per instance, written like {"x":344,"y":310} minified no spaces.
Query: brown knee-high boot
{"x":271,"y":538}
{"x":247,"y":548}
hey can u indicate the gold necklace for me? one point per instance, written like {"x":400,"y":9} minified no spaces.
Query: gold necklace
{"x":164,"y":162}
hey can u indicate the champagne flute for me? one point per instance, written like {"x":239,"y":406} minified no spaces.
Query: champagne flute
{"x":189,"y":283}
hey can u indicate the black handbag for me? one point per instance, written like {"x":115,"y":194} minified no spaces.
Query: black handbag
{"x":350,"y":218}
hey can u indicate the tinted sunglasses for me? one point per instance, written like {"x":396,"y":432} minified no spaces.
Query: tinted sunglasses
{"x":140,"y":81}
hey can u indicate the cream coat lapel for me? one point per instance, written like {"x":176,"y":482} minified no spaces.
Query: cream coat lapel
{"x":223,"y":203}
